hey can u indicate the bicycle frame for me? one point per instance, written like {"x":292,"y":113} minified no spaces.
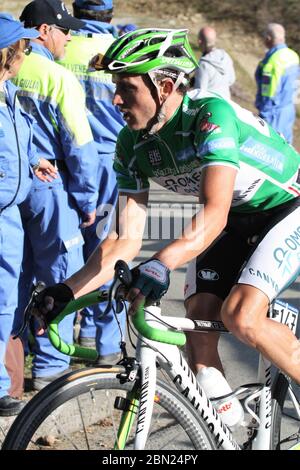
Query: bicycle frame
{"x":172,"y":362}
{"x":158,"y":340}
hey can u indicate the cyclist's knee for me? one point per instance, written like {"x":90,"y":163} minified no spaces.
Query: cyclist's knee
{"x":242,"y":315}
{"x":239,"y":322}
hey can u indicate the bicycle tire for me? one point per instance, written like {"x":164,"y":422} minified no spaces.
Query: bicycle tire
{"x":170,"y":407}
{"x":285,"y":421}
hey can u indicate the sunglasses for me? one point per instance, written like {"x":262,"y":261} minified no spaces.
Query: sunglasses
{"x":65,"y":31}
{"x":28,"y":48}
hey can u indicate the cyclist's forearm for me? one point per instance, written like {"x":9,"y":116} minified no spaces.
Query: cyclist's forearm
{"x":197,"y":236}
{"x":216,"y":192}
{"x":100,"y":266}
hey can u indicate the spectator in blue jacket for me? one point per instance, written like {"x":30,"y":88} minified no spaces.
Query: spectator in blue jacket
{"x":126,"y":28}
{"x":277,"y":79}
{"x":54,"y":214}
{"x":106,"y":122}
{"x":16,"y":152}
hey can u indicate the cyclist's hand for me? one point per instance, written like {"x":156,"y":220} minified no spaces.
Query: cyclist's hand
{"x":150,"y":280}
{"x":88,"y":219}
{"x":50,"y":302}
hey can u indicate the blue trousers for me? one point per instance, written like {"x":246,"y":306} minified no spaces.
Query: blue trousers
{"x":11,"y":249}
{"x":282,"y":120}
{"x":53,"y":252}
{"x":104,"y":329}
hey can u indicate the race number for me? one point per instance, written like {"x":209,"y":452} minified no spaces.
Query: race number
{"x":284,"y":313}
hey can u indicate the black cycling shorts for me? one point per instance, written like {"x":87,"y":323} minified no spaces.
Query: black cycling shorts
{"x":258,"y":249}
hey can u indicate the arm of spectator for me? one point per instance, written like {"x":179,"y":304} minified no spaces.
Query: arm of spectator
{"x":231,"y":73}
{"x":41,"y":167}
{"x":80,"y":152}
{"x":201,"y":77}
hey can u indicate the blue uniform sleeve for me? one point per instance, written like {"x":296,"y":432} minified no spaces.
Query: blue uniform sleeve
{"x":32,"y":153}
{"x":81,"y":161}
{"x":78,"y":145}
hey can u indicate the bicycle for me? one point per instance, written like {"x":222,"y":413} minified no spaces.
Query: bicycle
{"x":165,"y":417}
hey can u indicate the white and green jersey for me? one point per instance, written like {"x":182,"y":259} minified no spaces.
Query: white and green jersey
{"x":207,"y":130}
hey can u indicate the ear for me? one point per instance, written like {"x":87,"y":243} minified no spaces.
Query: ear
{"x":43,"y":29}
{"x":166,"y":87}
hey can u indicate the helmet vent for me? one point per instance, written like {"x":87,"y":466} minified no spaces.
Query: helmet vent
{"x":155,"y":40}
{"x":174,"y":52}
{"x":135,"y":48}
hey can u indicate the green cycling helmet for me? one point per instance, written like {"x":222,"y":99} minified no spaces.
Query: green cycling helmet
{"x":147,"y":50}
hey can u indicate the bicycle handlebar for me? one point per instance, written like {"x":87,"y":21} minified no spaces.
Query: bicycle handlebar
{"x":53,"y":334}
{"x":154,"y":334}
{"x":122,"y":277}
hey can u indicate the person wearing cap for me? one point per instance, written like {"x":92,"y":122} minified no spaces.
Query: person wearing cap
{"x":17,"y":151}
{"x":53,"y":215}
{"x":106,"y":122}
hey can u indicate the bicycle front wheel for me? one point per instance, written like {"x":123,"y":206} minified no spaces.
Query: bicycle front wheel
{"x":77,"y":412}
{"x":285,"y":431}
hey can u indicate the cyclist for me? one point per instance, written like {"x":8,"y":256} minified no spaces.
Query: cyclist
{"x":244,"y":242}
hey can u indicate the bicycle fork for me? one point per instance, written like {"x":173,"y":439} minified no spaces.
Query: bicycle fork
{"x":139,"y":402}
{"x":128,"y":416}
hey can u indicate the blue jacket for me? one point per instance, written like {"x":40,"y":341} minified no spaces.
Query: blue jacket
{"x":16,"y":149}
{"x":276,"y":77}
{"x":54,"y":97}
{"x":105,"y":119}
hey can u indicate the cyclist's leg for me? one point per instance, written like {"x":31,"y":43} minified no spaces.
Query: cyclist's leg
{"x":245,"y":314}
{"x":273,"y":265}
{"x":203,"y":350}
{"x":209,"y":279}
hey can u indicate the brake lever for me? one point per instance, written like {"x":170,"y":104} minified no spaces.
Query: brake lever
{"x":123,"y":273}
{"x":28,"y":309}
{"x":122,"y":278}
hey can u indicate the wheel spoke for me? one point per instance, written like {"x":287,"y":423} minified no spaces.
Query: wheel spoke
{"x":83,"y":414}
